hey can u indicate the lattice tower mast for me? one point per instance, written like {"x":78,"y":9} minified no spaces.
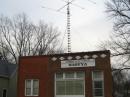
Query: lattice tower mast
{"x":68,"y":26}
{"x":68,"y":22}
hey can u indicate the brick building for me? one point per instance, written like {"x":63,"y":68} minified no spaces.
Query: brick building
{"x":85,"y":74}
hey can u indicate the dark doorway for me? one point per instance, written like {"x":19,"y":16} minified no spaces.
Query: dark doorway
{"x":4,"y":94}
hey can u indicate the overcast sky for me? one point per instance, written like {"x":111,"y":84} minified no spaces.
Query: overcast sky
{"x":88,"y":26}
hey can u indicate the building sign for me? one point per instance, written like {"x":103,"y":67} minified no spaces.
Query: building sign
{"x":78,"y":63}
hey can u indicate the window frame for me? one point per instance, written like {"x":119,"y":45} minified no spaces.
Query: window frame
{"x":32,"y":91}
{"x":69,"y":79}
{"x":98,"y":79}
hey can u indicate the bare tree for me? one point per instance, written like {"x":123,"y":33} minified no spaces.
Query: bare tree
{"x":119,"y":42}
{"x":119,"y":80}
{"x":21,"y":37}
{"x":119,"y":10}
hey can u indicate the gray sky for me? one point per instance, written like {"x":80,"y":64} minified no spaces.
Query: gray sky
{"x":88,"y":27}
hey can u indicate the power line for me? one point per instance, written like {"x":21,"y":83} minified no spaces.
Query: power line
{"x":63,"y":39}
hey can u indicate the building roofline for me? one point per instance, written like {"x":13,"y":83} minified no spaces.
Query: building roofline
{"x":62,"y":54}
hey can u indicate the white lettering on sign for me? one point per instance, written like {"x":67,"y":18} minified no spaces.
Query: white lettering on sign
{"x":78,"y":63}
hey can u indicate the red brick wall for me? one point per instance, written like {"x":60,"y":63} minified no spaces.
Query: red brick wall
{"x":33,"y":68}
{"x":44,"y":69}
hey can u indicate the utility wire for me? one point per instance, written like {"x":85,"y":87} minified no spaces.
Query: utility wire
{"x":63,"y":38}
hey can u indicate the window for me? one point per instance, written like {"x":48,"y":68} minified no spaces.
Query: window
{"x":70,"y":83}
{"x":98,"y":89}
{"x":31,"y":87}
{"x":4,"y":93}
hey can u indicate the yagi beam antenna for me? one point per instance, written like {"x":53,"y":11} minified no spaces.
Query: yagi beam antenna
{"x":68,"y":2}
{"x":75,"y":5}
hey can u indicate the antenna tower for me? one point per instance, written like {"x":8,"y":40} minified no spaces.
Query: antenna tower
{"x":68,"y":27}
{"x":68,"y":2}
{"x":68,"y":23}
